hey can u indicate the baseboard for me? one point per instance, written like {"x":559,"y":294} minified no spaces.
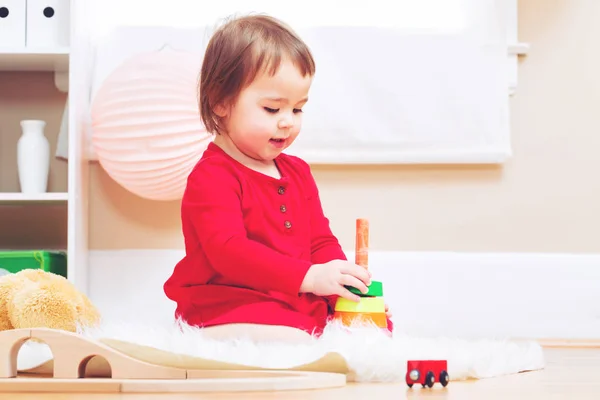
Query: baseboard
{"x":570,"y":343}
{"x":553,"y":297}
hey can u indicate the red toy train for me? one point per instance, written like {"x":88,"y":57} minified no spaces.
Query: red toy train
{"x":426,"y":372}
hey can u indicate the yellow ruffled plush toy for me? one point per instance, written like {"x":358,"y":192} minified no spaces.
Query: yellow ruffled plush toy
{"x":33,"y":298}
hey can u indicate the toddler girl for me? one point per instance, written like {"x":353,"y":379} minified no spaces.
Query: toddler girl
{"x":261,"y":259}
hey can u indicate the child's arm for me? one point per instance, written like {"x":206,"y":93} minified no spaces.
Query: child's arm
{"x":211,"y":210}
{"x":324,"y":245}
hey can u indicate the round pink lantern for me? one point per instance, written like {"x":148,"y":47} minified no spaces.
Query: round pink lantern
{"x":146,"y":127}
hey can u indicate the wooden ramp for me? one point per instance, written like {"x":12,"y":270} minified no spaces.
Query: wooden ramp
{"x":72,"y":352}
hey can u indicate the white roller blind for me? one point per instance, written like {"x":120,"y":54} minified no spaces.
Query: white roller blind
{"x":405,"y":81}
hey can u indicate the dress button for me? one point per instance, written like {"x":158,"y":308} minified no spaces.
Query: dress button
{"x":288,"y":224}
{"x":281,"y":190}
{"x":282,"y":208}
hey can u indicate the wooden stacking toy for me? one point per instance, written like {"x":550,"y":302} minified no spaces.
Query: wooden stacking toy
{"x":371,"y":307}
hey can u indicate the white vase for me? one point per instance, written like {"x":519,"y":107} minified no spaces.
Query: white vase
{"x":33,"y":157}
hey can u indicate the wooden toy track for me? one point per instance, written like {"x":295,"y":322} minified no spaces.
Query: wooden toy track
{"x":72,"y":352}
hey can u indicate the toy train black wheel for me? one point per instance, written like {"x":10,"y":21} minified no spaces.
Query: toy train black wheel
{"x":444,"y":378}
{"x":409,"y":381}
{"x":429,"y":379}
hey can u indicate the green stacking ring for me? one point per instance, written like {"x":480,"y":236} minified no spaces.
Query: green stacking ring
{"x":375,"y":290}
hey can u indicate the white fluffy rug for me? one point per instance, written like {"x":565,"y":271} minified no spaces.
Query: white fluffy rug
{"x":371,"y":355}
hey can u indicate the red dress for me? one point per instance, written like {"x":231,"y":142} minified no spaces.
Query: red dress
{"x":249,"y":241}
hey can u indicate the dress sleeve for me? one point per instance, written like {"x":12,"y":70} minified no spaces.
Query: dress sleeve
{"x":325,"y":246}
{"x":211,"y":207}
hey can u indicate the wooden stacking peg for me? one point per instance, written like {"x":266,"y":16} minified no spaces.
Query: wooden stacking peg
{"x":361,"y":256}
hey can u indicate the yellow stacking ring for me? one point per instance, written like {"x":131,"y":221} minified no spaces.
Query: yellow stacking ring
{"x":365,"y":305}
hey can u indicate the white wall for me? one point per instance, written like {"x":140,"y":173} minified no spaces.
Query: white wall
{"x":492,"y":295}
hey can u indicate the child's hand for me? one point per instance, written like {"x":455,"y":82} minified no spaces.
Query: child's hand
{"x":388,"y":313}
{"x":330,"y":278}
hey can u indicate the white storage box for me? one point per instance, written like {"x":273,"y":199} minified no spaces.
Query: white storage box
{"x":12,"y":23}
{"x":48,"y":23}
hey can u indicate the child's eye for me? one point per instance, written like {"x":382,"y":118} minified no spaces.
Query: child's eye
{"x":271,"y":110}
{"x":297,"y":110}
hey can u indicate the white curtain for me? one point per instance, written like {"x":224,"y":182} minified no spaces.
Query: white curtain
{"x":405,"y":81}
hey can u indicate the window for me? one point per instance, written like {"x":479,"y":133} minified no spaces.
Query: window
{"x":408,"y":81}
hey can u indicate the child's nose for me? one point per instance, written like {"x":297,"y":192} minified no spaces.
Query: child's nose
{"x":285,"y":122}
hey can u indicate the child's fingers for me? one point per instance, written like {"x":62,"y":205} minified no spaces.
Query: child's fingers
{"x":345,"y":293}
{"x":349,"y":280}
{"x":359,"y":272}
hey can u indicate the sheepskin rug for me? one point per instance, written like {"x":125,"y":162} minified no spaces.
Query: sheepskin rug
{"x":371,"y":355}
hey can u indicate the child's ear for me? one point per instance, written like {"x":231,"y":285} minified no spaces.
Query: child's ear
{"x":221,"y":110}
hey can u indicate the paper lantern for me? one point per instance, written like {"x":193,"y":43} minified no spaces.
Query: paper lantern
{"x":146,"y":127}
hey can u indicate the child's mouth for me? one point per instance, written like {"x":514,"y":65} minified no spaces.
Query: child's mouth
{"x":277,"y":142}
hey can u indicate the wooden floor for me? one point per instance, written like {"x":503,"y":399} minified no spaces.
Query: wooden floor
{"x":571,"y":374}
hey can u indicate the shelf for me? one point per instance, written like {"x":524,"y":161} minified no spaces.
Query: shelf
{"x":23,"y":199}
{"x":34,"y":59}
{"x":518,"y":49}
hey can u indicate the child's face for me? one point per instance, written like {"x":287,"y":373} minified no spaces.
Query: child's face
{"x":267,"y":117}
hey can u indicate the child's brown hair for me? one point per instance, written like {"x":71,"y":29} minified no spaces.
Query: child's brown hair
{"x":240,"y":50}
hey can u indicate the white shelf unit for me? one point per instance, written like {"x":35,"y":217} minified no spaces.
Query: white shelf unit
{"x":61,"y":212}
{"x":34,"y":59}
{"x":7,"y":198}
